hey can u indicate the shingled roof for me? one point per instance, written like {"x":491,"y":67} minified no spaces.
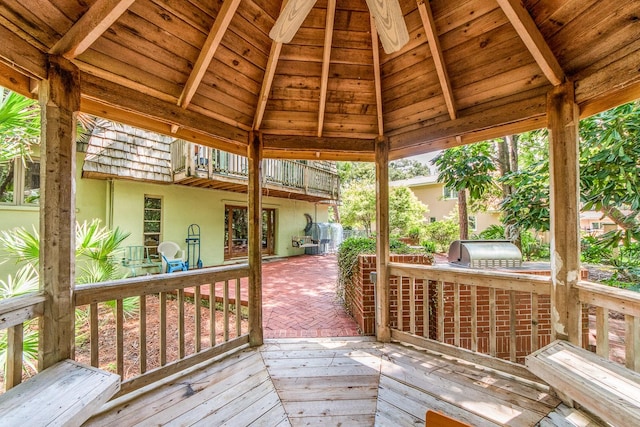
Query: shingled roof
{"x":125,"y":152}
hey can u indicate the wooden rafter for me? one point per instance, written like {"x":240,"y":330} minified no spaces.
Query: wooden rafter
{"x":214,"y":38}
{"x":436,"y":52}
{"x":90,"y":27}
{"x":376,"y":76}
{"x":533,"y":39}
{"x":326,"y":61}
{"x":267,"y":81}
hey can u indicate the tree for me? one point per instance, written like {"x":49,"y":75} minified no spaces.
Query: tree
{"x":406,"y":168}
{"x":610,"y":168}
{"x":466,"y":169}
{"x":19,"y":125}
{"x":358,"y":208}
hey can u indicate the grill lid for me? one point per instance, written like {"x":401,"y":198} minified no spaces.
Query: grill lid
{"x":485,"y":253}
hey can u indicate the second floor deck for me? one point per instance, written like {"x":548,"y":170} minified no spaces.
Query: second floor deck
{"x":199,"y":166}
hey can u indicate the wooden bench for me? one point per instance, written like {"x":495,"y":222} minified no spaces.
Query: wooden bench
{"x":66,"y":394}
{"x":303,"y":242}
{"x":604,"y":388}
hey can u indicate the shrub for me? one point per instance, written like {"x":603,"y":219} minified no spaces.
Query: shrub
{"x":442,"y":233}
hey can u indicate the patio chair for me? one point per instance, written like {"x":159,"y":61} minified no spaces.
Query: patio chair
{"x":172,"y":257}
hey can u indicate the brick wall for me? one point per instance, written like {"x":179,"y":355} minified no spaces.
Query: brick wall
{"x":360,"y":293}
{"x":360,"y":301}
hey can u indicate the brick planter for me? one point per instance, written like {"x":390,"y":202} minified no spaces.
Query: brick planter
{"x":360,"y":302}
{"x":359,"y":294}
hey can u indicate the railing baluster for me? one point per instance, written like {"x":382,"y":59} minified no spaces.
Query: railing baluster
{"x":492,"y":322}
{"x":399,"y":295}
{"x":13,"y":374}
{"x":534,"y":322}
{"x":225,"y":308}
{"x":456,"y":314}
{"x":474,"y":318}
{"x":212,"y":314}
{"x":181,"y":336}
{"x":440,"y":308}
{"x":93,"y":331}
{"x":412,"y":305}
{"x":238,"y":309}
{"x":602,"y":332}
{"x":143,"y":334}
{"x":198,"y":320}
{"x":120,"y":337}
{"x":163,"y":328}
{"x":425,"y":308}
{"x":512,"y":326}
{"x":632,"y":342}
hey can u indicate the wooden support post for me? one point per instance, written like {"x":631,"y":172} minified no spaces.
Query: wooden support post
{"x":562,"y":115}
{"x":59,"y":103}
{"x":383,"y":332}
{"x":255,"y":239}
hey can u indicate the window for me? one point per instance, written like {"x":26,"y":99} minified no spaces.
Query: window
{"x":596,"y":225}
{"x":473,"y":223}
{"x":450,"y":193}
{"x":20,"y":182}
{"x":152,"y":228}
{"x":433,"y":219}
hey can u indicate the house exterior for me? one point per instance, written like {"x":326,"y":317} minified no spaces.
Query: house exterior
{"x":442,"y":202}
{"x":155,"y":187}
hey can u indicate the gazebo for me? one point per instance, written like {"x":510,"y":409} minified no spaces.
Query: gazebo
{"x":441,"y":74}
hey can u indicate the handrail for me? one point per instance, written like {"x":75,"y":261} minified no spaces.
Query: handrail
{"x":209,"y":296}
{"x":14,"y":312}
{"x":192,"y":158}
{"x":495,"y":316}
{"x":605,"y":298}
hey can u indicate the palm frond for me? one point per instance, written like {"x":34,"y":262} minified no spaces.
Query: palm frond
{"x":25,"y":281}
{"x":22,"y":245}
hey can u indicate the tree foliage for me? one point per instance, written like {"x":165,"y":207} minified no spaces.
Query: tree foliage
{"x":466,"y":169}
{"x":19,"y":125}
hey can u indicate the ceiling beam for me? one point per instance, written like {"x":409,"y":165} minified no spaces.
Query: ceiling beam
{"x":533,"y":39}
{"x":498,"y":115}
{"x":21,"y":55}
{"x":436,"y":53}
{"x":326,"y":62}
{"x":214,"y":38}
{"x":317,"y":147}
{"x":376,"y":76}
{"x":90,"y":27}
{"x":127,"y":99}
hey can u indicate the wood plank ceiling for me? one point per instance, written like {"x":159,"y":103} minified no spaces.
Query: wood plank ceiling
{"x":207,"y":71}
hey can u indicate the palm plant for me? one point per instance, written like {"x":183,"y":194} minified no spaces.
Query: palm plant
{"x":96,"y":255}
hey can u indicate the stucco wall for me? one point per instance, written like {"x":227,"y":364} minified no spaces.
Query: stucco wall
{"x":182,"y":206}
{"x":431,"y":195}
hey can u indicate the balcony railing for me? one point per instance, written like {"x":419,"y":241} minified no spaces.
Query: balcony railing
{"x":204,"y":162}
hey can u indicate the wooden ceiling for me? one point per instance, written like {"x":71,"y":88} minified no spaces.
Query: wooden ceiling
{"x":207,"y":71}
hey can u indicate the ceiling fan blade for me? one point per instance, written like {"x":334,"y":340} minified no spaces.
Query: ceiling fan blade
{"x":290,"y":19}
{"x":389,"y":24}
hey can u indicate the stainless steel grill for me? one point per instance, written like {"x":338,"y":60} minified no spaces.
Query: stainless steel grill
{"x":485,"y":254}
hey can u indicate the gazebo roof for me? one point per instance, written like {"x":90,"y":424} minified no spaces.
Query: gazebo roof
{"x":207,"y":71}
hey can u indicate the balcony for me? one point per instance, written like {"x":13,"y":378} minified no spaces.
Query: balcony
{"x":199,"y":166}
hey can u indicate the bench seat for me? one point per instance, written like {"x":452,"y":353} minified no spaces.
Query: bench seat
{"x":66,"y":394}
{"x":604,"y":388}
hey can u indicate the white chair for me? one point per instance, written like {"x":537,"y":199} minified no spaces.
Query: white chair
{"x":172,"y":257}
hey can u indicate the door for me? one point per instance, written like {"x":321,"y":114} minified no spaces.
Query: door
{"x":236,"y":236}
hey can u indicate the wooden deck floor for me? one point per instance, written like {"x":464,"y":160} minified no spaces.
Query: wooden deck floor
{"x":337,"y":381}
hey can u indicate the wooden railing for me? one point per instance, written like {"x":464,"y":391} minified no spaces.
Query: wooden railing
{"x":474,"y":313}
{"x":608,"y":300}
{"x":197,"y":159}
{"x":210,"y":297}
{"x":14,"y":312}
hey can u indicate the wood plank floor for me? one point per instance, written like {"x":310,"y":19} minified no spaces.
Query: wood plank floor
{"x":341,"y":382}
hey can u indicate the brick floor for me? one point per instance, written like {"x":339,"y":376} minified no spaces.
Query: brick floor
{"x":299,"y":299}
